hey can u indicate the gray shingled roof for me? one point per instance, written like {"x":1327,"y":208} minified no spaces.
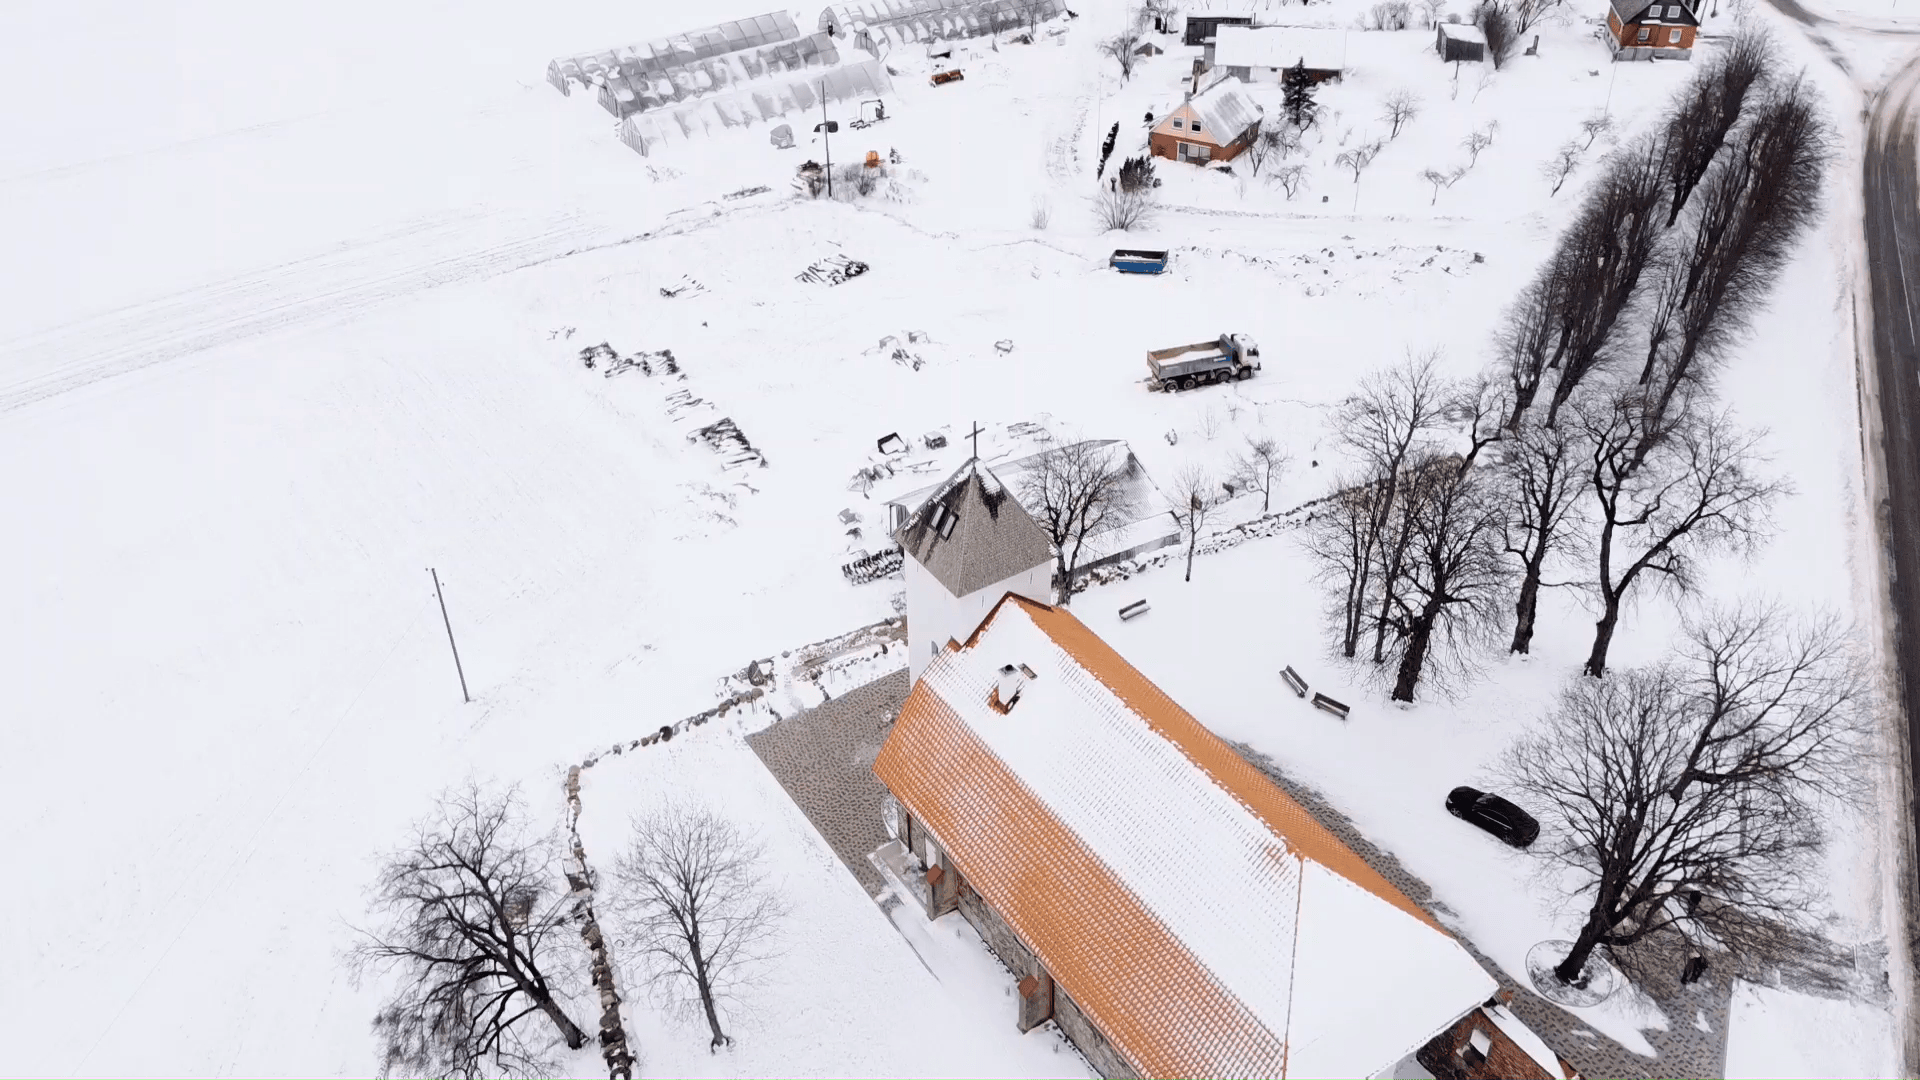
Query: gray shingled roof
{"x":992,"y":538}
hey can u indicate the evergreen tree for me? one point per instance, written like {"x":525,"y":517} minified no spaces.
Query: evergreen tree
{"x":1297,"y":85}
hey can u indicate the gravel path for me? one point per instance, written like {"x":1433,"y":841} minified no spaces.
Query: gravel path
{"x":824,"y":758}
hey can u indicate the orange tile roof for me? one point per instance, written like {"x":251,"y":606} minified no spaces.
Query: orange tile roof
{"x":1164,"y":1008}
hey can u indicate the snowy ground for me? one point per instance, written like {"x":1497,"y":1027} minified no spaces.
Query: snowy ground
{"x":851,"y":994}
{"x":296,"y":328}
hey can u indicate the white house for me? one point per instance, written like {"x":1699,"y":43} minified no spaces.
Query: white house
{"x":967,"y":545}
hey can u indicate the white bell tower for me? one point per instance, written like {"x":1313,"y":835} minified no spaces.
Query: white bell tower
{"x":967,"y":545}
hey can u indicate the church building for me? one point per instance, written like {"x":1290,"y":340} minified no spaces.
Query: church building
{"x":1161,"y":901}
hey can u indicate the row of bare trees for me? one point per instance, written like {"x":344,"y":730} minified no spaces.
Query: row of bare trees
{"x":474,"y":923}
{"x":1681,"y":235}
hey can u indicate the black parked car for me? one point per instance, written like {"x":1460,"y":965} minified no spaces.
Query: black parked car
{"x":1494,"y":814}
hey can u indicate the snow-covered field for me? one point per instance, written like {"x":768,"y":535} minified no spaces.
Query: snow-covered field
{"x":294,"y":313}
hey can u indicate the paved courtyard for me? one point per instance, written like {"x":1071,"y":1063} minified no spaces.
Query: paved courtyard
{"x":824,"y":758}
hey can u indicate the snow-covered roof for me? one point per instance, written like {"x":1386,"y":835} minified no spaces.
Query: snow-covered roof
{"x":943,"y":18}
{"x":1524,"y":1037}
{"x":1202,"y":919}
{"x":1225,"y":111}
{"x":1463,"y":32}
{"x":1280,"y":47}
{"x":1144,"y":520}
{"x":979,"y":535}
{"x":650,"y":58}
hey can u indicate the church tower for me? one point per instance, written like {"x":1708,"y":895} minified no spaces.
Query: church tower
{"x":968,"y":545}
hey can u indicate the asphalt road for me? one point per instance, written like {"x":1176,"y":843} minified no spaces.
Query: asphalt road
{"x":1892,"y":225}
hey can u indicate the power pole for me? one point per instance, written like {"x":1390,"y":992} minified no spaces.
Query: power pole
{"x":449,"y":623}
{"x":826,"y":136}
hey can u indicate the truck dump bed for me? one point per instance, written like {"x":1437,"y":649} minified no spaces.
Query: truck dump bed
{"x":1199,"y":350}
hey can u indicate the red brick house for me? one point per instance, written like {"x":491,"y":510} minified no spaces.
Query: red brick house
{"x":1643,"y":31}
{"x":1214,"y":125}
{"x":1490,"y":1043}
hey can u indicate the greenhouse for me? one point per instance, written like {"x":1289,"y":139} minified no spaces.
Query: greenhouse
{"x":877,"y":23}
{"x":646,"y":60}
{"x":624,"y":94}
{"x":763,"y":103}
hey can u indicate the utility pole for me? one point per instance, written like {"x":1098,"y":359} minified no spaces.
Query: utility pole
{"x":449,"y":623}
{"x":826,"y":130}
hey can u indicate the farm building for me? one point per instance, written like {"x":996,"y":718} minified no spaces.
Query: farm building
{"x":1459,"y":41}
{"x":649,"y":59}
{"x":1143,"y":526}
{"x":761,"y":101}
{"x":879,"y":25}
{"x":1262,"y":54}
{"x":1214,"y":125}
{"x":1641,"y":31}
{"x":624,"y":94}
{"x":1165,"y":904}
{"x":1204,"y":18}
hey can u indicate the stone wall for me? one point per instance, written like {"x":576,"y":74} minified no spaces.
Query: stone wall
{"x":1000,"y":938}
{"x":1079,"y":1030}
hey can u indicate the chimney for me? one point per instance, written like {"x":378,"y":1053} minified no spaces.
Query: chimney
{"x":1006,"y":689}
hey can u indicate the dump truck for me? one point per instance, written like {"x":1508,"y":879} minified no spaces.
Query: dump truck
{"x":1183,"y":367}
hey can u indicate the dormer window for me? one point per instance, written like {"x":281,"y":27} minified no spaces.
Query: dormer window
{"x":938,"y":515}
{"x":946,"y":524}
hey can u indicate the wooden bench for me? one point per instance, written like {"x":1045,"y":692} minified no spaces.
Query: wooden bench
{"x":1138,"y":607}
{"x":1294,"y":682}
{"x":1322,"y":701}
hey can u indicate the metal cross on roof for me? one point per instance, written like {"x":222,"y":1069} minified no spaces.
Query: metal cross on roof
{"x":975,"y":436}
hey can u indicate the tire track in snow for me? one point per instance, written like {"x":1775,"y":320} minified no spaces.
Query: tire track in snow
{"x":328,"y":287}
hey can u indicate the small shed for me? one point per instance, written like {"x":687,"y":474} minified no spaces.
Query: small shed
{"x":1148,"y":48}
{"x":1459,"y":41}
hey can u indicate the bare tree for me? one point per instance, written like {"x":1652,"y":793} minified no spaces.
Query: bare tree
{"x":1074,"y":491}
{"x":1709,"y":107}
{"x":1441,"y":179}
{"x":1121,"y":47}
{"x":1289,"y":178}
{"x":1267,"y":147}
{"x":1191,"y":501}
{"x":1601,"y":259}
{"x":1477,"y":140}
{"x":470,"y":915}
{"x":1391,"y":15}
{"x":1594,"y":126}
{"x":693,"y":897}
{"x":1695,"y":493}
{"x":1481,"y":404}
{"x":1388,"y":424}
{"x":1358,"y":157}
{"x":1496,"y":25}
{"x":1124,"y":210}
{"x":1544,"y":486}
{"x":1527,"y":14}
{"x":1260,"y":468}
{"x":1688,"y":796}
{"x":1755,"y":203}
{"x":1561,"y":165}
{"x":1430,"y":11}
{"x":1453,"y":577}
{"x":1532,"y":326}
{"x":1397,"y":109}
